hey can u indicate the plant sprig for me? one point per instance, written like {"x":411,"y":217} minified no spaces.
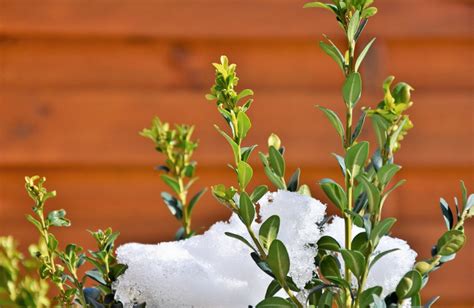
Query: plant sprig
{"x":269,"y":253}
{"x":179,"y":170}
{"x":367,"y":182}
{"x":64,"y":275}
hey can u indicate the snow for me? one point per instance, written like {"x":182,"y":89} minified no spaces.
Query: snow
{"x":388,"y":270}
{"x":213,"y":270}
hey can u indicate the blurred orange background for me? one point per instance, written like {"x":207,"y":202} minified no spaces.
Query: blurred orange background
{"x":79,"y":79}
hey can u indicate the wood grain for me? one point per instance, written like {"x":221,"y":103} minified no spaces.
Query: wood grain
{"x":101,"y":126}
{"x":218,"y":19}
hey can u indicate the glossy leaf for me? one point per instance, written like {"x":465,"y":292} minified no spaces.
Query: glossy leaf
{"x":363,"y":54}
{"x":330,"y":267}
{"x":381,"y":255}
{"x":373,"y":194}
{"x":366,"y":297}
{"x":269,"y":230}
{"x":294,"y":181}
{"x":243,"y":125}
{"x":195,"y":199}
{"x":58,"y":218}
{"x":328,"y":243}
{"x":258,"y":193}
{"x":387,"y":172}
{"x":275,"y":302}
{"x":272,"y":289}
{"x":245,"y":174}
{"x":233,"y":145}
{"x":354,"y":260}
{"x":380,"y":229}
{"x":335,"y":193}
{"x":334,"y":53}
{"x":353,"y":26}
{"x":173,"y":204}
{"x":358,"y":127}
{"x":171,"y":182}
{"x":278,"y":260}
{"x":335,"y":121}
{"x":451,"y":242}
{"x":276,"y":161}
{"x":409,"y":285}
{"x":246,"y":209}
{"x":447,"y":213}
{"x":356,"y":157}
{"x":352,"y":89}
{"x":240,"y":238}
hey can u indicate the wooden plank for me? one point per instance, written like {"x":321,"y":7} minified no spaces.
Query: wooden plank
{"x":93,"y":127}
{"x":217,"y":19}
{"x":162,"y":64}
{"x":271,"y":64}
{"x":128,"y":200}
{"x":419,"y":197}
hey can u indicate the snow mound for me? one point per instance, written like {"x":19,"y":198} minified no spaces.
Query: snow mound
{"x":213,"y":270}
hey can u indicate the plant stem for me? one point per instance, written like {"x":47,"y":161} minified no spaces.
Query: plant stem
{"x":186,"y":222}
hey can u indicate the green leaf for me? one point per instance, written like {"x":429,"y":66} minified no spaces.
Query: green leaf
{"x":381,"y":229}
{"x":353,"y":26}
{"x":366,"y":298}
{"x":246,"y":151}
{"x":240,"y":238}
{"x":335,"y":121}
{"x":394,"y":136}
{"x":341,"y":163}
{"x":244,"y":93}
{"x":97,"y":276}
{"x":373,"y":194}
{"x":173,"y":204}
{"x":399,"y":183}
{"x":354,"y":260}
{"x":330,"y":267}
{"x":358,"y":127}
{"x":195,"y":199}
{"x":451,"y":242}
{"x":243,"y":125}
{"x":304,"y":190}
{"x":58,"y":219}
{"x":328,"y":243}
{"x":447,"y":213}
{"x":363,"y":54}
{"x":269,"y":230}
{"x":258,"y":193}
{"x":276,"y":180}
{"x":356,"y":157}
{"x":387,"y":172}
{"x":317,"y":5}
{"x":409,"y":285}
{"x":335,"y":193}
{"x":381,"y":255}
{"x":380,"y":126}
{"x":272,"y":289}
{"x":278,"y":260}
{"x":276,"y":161}
{"x":352,"y":89}
{"x":35,"y":222}
{"x":294,"y":181}
{"x":274,"y":302}
{"x":233,"y":145}
{"x":172,"y":183}
{"x":334,"y":53}
{"x":245,"y":174}
{"x":246,"y":209}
